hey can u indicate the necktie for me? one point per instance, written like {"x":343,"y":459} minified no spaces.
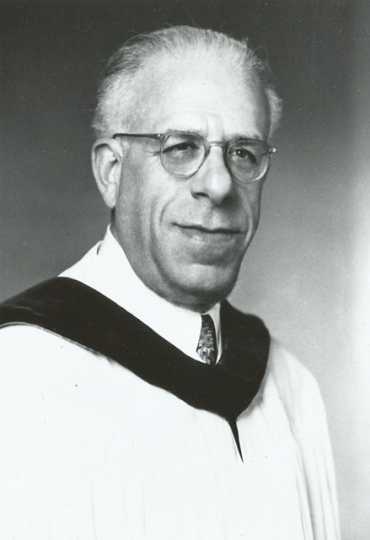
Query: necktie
{"x":207,"y":345}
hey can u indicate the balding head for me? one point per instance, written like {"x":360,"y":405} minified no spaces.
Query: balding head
{"x":145,"y":60}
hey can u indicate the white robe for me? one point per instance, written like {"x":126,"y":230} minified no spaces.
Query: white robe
{"x":89,"y":451}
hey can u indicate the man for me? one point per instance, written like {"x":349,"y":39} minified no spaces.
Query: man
{"x":136,"y":402}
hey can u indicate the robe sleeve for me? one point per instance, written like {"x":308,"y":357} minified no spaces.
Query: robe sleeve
{"x":301,"y":397}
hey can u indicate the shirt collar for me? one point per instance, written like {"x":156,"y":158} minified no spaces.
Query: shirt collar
{"x":114,"y":277}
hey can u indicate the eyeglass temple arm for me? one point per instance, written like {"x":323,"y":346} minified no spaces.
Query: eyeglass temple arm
{"x":140,"y":135}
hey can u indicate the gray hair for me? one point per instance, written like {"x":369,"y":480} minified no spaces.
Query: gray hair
{"x":116,"y":91}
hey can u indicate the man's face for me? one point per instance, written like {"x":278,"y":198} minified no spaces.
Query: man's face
{"x":186,"y":238}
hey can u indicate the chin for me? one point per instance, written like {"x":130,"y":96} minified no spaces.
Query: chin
{"x":207,"y":286}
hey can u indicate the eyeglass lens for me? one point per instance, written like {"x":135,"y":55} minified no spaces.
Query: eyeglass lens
{"x":183,"y":154}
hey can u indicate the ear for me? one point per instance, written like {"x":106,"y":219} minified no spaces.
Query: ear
{"x":106,"y":161}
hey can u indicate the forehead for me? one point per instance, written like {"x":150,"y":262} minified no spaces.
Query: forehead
{"x":204,"y":94}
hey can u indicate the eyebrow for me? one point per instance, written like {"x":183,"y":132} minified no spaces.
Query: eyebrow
{"x":186,"y":131}
{"x":200,"y":133}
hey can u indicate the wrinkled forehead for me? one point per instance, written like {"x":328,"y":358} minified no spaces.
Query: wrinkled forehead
{"x":202,"y":92}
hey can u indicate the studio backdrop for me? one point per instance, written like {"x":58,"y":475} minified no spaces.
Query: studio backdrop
{"x":307,"y":273}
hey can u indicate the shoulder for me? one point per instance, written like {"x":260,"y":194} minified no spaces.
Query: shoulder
{"x":294,"y":383}
{"x":288,"y":372}
{"x":26,"y":338}
{"x":32,"y":359}
{"x":30,"y":341}
{"x":297,"y":388}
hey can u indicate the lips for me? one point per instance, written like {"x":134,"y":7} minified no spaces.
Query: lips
{"x":209,"y":230}
{"x":202,"y":233}
{"x":214,"y":247}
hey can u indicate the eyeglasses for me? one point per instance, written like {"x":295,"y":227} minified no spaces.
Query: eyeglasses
{"x":182,"y":154}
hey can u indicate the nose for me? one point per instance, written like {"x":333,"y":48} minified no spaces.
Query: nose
{"x":213,"y":180}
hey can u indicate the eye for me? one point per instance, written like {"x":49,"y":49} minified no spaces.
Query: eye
{"x":182,"y":147}
{"x":243,"y":153}
{"x":180,"y":144}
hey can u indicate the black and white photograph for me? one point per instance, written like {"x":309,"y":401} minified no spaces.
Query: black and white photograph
{"x":184,"y":270}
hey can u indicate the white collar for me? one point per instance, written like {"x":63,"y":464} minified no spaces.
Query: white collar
{"x":107,"y":269}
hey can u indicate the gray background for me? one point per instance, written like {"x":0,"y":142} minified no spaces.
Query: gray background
{"x":308,"y":271}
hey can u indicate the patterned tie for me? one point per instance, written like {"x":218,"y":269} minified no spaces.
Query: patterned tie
{"x":207,"y":345}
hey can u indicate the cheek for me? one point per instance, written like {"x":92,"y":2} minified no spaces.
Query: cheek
{"x":144,"y":209}
{"x":251,"y":202}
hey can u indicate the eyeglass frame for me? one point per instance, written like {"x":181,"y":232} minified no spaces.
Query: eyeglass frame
{"x":162,"y":137}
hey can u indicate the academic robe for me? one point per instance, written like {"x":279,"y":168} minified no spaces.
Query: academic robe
{"x":96,"y":448}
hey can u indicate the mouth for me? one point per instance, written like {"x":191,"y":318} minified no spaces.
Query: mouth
{"x":210,"y":234}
